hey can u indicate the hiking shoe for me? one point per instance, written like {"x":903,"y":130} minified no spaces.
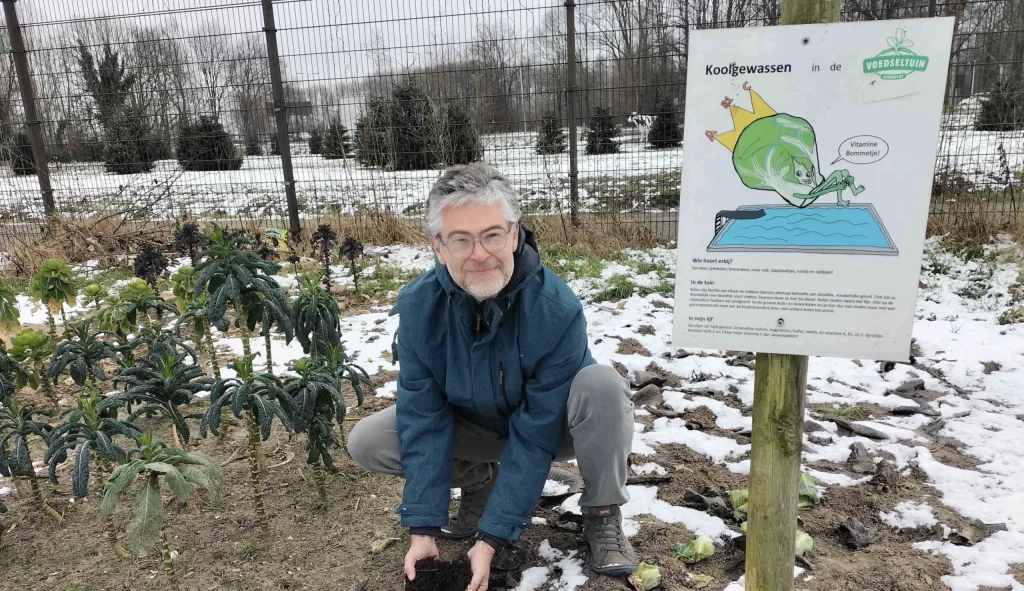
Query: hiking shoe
{"x":471,"y":509}
{"x":610,"y":551}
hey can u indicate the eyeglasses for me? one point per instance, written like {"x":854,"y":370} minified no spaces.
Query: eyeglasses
{"x":493,"y":241}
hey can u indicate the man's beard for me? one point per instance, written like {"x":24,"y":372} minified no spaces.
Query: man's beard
{"x":483,"y":288}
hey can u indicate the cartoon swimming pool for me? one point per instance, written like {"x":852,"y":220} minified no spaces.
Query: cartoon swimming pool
{"x":826,"y":229}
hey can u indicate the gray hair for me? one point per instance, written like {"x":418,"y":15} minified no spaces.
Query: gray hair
{"x":476,"y":183}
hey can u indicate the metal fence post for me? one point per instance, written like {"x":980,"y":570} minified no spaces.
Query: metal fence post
{"x":28,"y":99}
{"x":281,"y":114}
{"x":570,"y":100}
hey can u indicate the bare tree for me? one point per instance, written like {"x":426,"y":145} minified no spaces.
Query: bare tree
{"x":497,"y":57}
{"x":249,"y":74}
{"x":208,"y":48}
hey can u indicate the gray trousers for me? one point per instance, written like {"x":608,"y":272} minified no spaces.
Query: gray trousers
{"x":598,"y":434}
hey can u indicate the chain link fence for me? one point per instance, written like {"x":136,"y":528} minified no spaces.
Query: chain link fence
{"x":157,"y":110}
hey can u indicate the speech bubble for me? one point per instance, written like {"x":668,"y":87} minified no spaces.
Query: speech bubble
{"x":862,"y":149}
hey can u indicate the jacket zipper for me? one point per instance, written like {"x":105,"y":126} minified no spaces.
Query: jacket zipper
{"x":501,"y":385}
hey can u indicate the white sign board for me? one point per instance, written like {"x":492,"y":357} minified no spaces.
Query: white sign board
{"x":808,"y":160}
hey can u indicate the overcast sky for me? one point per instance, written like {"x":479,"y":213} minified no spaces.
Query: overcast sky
{"x":318,"y":39}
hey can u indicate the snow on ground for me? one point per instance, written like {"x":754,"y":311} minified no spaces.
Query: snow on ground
{"x":256,"y":190}
{"x":976,"y":154}
{"x":910,"y":514}
{"x":957,"y":336}
{"x":341,"y":186}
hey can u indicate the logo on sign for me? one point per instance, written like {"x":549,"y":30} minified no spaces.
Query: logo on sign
{"x":898,"y":61}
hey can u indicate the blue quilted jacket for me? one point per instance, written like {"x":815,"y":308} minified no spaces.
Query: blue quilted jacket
{"x":506,"y":364}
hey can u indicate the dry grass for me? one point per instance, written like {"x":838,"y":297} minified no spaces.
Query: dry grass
{"x":597,"y":235}
{"x":967,"y":230}
{"x":100,"y":238}
{"x":112,"y":237}
{"x":373,"y":227}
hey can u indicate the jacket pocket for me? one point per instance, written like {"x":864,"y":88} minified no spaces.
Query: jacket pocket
{"x":502,"y":387}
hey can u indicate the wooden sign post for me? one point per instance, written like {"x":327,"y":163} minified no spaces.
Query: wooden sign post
{"x":780,"y":388}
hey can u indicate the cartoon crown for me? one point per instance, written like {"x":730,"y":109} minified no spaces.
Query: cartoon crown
{"x":741,"y":118}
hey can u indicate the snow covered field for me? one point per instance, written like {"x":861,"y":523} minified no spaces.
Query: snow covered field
{"x":630,"y":180}
{"x":338,"y":186}
{"x":976,"y":154}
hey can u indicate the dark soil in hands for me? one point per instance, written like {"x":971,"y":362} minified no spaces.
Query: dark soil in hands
{"x":451,"y":575}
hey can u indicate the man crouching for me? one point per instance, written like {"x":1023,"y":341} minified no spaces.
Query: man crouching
{"x":495,"y":371}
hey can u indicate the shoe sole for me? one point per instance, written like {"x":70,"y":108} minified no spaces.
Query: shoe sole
{"x":617,"y":570}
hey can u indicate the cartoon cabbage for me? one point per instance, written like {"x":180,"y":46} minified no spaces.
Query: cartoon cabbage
{"x":778,"y":152}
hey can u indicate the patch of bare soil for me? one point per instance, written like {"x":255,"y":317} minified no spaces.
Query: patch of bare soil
{"x":888,"y":564}
{"x":671,"y":379}
{"x":867,"y":411}
{"x":701,"y":417}
{"x":948,"y":452}
{"x":691,"y":470}
{"x":330,"y":549}
{"x":1017,"y":571}
{"x":882,"y":567}
{"x":632,"y":347}
{"x":729,"y":399}
{"x":372,"y":403}
{"x":384,"y":376}
{"x":312,"y":548}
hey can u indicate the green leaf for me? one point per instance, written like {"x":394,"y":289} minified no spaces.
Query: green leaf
{"x":57,"y":454}
{"x":160,"y":467}
{"x":810,"y":495}
{"x":178,"y":484}
{"x":804,"y":543}
{"x":144,"y":529}
{"x":106,"y":446}
{"x":117,"y":483}
{"x":695,"y":550}
{"x":381,"y":545}
{"x":264,"y":415}
{"x":239,"y":400}
{"x":201,"y":478}
{"x":210,"y":466}
{"x":21,"y":463}
{"x":645,"y":577}
{"x":739,"y":498}
{"x":80,"y":472}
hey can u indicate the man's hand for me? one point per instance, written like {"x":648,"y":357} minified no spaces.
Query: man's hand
{"x":480,"y":556}
{"x":421,"y":548}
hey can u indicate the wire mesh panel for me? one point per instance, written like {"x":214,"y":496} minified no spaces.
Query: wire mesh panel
{"x":151,"y":111}
{"x":383,"y":96}
{"x":155,"y":110}
{"x":981,"y":156}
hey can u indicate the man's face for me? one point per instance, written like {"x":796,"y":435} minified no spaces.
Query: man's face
{"x":483,"y":273}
